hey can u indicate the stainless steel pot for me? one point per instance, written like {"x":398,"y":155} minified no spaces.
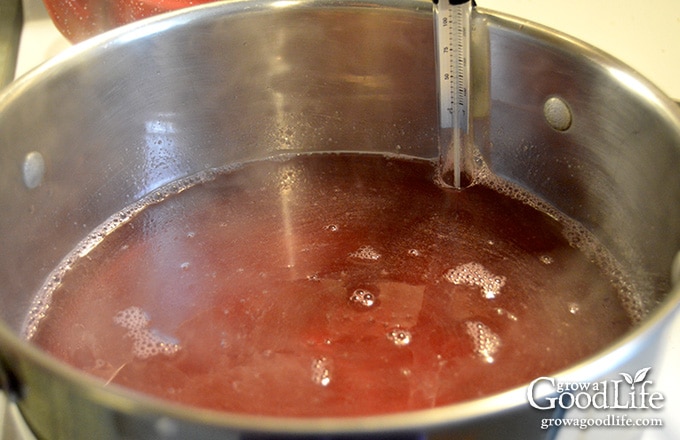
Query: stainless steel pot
{"x":250,"y":79}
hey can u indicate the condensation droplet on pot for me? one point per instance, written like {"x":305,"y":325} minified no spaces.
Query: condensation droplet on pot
{"x":33,"y":169}
{"x":557,"y":113}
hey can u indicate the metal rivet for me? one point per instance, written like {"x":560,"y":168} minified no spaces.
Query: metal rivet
{"x":33,"y":169}
{"x":557,"y":113}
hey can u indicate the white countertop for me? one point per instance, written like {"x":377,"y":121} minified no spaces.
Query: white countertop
{"x":645,"y":35}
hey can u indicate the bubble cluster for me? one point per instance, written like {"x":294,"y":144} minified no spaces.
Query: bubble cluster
{"x":321,"y":373}
{"x":366,"y":253}
{"x":476,"y":275}
{"x":486,"y":342}
{"x":145,"y":342}
{"x":362,"y":297}
{"x":42,"y":301}
{"x":546,"y":259}
{"x":132,"y":318}
{"x":399,"y":336}
{"x":573,"y":308}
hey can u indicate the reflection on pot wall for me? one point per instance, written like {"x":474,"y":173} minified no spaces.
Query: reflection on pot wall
{"x":163,"y":160}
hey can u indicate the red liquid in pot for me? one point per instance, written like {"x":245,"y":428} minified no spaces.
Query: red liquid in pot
{"x":330,"y":285}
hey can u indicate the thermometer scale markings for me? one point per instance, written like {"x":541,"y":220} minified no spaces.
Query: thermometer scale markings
{"x":452,"y":34}
{"x":454,"y":81}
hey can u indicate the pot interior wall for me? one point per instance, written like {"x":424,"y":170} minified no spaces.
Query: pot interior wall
{"x":228,"y":84}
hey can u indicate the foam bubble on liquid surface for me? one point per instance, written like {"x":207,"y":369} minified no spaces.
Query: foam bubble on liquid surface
{"x":366,"y":253}
{"x":331,"y":227}
{"x":145,"y":342}
{"x":486,"y":342}
{"x":321,"y":371}
{"x":362,"y":297}
{"x":476,"y":275}
{"x":635,"y":298}
{"x":399,"y":336}
{"x":43,"y":300}
{"x":573,"y":308}
{"x":546,"y":259}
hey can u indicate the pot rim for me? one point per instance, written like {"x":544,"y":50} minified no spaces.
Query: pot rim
{"x":130,"y":401}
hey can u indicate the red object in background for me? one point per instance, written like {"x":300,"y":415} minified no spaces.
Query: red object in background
{"x":78,"y":20}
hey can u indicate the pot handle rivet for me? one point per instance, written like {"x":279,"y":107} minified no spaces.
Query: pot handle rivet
{"x":557,"y":113}
{"x":33,"y":169}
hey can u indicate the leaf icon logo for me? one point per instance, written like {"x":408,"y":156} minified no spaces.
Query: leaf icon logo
{"x":628,"y":379}
{"x":639,"y":376}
